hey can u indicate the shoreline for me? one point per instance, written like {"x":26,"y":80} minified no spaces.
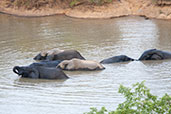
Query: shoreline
{"x":111,"y":10}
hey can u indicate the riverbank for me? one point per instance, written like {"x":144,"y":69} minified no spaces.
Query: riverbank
{"x":84,"y":10}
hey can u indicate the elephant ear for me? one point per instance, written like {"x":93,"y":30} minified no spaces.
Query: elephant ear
{"x":37,"y":57}
{"x":63,"y":65}
{"x":147,"y":54}
{"x":50,"y":57}
{"x":34,"y":73}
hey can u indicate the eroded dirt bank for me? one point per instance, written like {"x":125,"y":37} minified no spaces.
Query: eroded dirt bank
{"x":115,"y":9}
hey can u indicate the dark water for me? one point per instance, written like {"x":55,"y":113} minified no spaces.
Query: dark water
{"x":22,"y":38}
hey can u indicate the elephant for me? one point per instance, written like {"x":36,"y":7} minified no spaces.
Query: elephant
{"x":154,"y":54}
{"x":116,"y":59}
{"x":43,"y":55}
{"x":63,"y":55}
{"x":78,"y":64}
{"x":47,"y":63}
{"x":39,"y":72}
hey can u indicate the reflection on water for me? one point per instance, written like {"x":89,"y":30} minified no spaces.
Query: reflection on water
{"x":22,"y":38}
{"x":140,"y":33}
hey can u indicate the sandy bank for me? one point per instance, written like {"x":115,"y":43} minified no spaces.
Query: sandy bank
{"x":115,"y":9}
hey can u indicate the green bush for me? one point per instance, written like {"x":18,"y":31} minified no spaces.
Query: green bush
{"x":161,"y":2}
{"x":73,"y":3}
{"x":139,"y":100}
{"x":30,"y":4}
{"x":96,"y":2}
{"x":100,"y":2}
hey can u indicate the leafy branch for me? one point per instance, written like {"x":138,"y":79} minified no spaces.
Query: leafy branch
{"x":139,"y":100}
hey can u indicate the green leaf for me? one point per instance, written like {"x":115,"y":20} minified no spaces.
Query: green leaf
{"x":139,"y":100}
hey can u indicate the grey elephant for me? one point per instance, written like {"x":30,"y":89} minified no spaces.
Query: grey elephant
{"x":62,"y":55}
{"x":39,"y":72}
{"x":154,"y":54}
{"x":116,"y":59}
{"x":47,"y":63}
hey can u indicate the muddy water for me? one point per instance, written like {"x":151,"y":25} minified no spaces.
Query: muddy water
{"x":22,"y":38}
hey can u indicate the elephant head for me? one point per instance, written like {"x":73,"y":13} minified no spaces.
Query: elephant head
{"x":63,"y":65}
{"x":27,"y":72}
{"x":40,"y":56}
{"x":152,"y":54}
{"x":125,"y":58}
{"x":116,"y":59}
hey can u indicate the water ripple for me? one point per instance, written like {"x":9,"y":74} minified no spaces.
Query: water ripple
{"x":22,"y":38}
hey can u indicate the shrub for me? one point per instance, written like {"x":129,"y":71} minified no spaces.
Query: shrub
{"x":30,"y":4}
{"x":139,"y":100}
{"x":161,"y":2}
{"x":96,"y":2}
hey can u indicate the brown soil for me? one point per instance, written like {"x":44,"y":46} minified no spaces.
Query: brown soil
{"x":115,"y":9}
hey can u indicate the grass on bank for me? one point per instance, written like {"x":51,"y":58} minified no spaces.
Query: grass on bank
{"x":30,"y":4}
{"x":36,"y":4}
{"x":139,"y":100}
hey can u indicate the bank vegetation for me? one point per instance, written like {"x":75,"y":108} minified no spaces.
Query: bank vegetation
{"x":160,"y":9}
{"x":138,"y":100}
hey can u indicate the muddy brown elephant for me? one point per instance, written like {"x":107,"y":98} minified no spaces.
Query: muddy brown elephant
{"x":78,"y":64}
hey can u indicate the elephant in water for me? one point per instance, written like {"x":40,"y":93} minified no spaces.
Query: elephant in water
{"x":154,"y":54}
{"x":58,"y":55}
{"x":36,"y":72}
{"x":47,"y":63}
{"x":116,"y":59}
{"x":78,"y":64}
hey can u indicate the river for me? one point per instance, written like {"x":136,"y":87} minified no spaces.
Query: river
{"x":96,"y":39}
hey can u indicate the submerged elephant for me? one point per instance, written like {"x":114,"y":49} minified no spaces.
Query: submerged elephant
{"x":116,"y":59}
{"x":154,"y":54}
{"x":47,"y":63}
{"x":41,"y":72}
{"x":62,"y":55}
{"x":44,"y":54}
{"x":77,"y":64}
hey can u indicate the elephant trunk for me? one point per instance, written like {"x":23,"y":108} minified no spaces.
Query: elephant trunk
{"x":16,"y":70}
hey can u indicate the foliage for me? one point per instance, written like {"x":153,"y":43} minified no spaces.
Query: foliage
{"x":96,"y":2}
{"x":139,"y":100}
{"x":73,"y":3}
{"x":100,"y":2}
{"x":161,"y":2}
{"x":30,"y":4}
{"x":154,"y":1}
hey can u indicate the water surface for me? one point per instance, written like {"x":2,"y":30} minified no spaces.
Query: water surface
{"x":96,"y":39}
